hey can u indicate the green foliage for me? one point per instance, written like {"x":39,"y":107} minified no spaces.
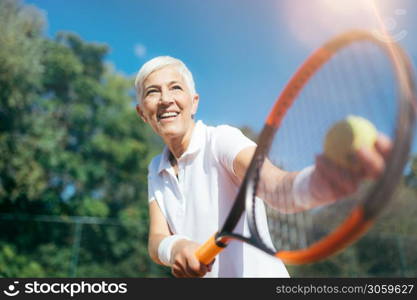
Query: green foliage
{"x":71,"y":145}
{"x":20,"y":70}
{"x":13,"y":264}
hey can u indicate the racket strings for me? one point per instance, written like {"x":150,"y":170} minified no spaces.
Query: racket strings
{"x":364,"y":80}
{"x":381,"y":84}
{"x":289,"y":230}
{"x":352,"y":83}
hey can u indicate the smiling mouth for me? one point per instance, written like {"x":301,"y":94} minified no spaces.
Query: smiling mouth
{"x":167,"y":116}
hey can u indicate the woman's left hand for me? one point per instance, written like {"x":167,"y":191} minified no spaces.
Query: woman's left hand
{"x":330,"y":182}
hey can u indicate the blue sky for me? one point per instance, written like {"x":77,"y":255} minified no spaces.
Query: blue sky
{"x":241,"y":52}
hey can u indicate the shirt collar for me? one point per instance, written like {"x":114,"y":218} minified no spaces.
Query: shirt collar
{"x":196,"y":143}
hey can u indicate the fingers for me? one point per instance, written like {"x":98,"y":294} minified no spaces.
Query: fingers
{"x":178,"y":271}
{"x":210,"y":265}
{"x":373,"y":163}
{"x":191,"y":268}
{"x":338,"y":181}
{"x":186,"y":264}
{"x":383,"y":145}
{"x":195,"y":268}
{"x":373,"y":160}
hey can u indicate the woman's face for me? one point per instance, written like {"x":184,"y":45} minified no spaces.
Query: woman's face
{"x":167,"y":104}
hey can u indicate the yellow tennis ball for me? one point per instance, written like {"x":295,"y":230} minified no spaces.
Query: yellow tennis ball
{"x":346,"y":137}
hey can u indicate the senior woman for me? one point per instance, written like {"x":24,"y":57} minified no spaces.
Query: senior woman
{"x":192,"y":184}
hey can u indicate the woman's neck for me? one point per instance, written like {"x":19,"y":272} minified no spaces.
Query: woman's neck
{"x":178,"y":145}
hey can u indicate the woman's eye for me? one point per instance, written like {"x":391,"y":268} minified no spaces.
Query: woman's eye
{"x":150,"y":92}
{"x":177,"y":87}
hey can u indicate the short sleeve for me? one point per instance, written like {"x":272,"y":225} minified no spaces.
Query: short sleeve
{"x":227,"y":143}
{"x":152,"y":170}
{"x":151,"y":191}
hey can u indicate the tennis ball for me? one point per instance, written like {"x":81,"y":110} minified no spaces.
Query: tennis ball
{"x":346,"y":137}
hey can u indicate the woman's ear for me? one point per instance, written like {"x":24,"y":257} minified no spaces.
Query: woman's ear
{"x":196,"y":99}
{"x":140,"y":112}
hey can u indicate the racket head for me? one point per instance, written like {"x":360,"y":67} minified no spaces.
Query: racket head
{"x":361,"y":75}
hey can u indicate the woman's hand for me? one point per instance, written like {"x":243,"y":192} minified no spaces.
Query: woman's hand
{"x":184,"y":262}
{"x":330,"y":182}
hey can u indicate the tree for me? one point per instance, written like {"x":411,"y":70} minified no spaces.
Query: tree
{"x":71,"y":145}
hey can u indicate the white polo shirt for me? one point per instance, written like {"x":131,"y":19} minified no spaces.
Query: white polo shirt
{"x":197,"y":203}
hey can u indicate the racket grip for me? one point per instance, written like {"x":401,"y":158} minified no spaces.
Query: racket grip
{"x":208,"y":251}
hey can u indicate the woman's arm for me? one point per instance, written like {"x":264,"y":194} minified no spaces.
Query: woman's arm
{"x":158,"y":230}
{"x":183,"y":261}
{"x":274,"y":181}
{"x":327,"y":182}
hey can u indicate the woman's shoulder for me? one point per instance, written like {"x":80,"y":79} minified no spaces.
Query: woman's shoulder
{"x":222,"y":129}
{"x":154,"y":164}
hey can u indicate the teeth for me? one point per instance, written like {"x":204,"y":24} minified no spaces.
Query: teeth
{"x":168,"y":114}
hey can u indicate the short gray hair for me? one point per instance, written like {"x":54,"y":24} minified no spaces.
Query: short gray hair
{"x":158,"y":63}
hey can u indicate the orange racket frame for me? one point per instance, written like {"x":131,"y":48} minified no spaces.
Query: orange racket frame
{"x":363,"y":215}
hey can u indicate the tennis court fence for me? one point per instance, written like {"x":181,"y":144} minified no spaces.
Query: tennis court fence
{"x":77,"y":246}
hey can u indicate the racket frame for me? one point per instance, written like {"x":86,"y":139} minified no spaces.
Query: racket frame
{"x":363,"y":215}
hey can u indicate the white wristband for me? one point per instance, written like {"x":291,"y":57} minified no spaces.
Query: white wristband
{"x":165,"y":248}
{"x":301,"y":188}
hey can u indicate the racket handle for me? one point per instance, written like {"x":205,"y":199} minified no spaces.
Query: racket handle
{"x":208,"y":251}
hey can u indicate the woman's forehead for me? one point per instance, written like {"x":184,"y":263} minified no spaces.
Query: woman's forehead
{"x":164,"y":75}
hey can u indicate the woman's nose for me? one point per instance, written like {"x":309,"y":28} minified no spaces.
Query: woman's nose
{"x":166,"y":98}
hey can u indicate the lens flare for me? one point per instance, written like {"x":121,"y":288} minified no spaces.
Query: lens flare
{"x":313,"y":21}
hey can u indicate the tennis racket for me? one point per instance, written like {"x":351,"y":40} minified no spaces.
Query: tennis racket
{"x":354,"y":73}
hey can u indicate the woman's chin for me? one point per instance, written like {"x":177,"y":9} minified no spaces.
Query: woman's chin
{"x":170,"y":131}
{"x":173,"y":129}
